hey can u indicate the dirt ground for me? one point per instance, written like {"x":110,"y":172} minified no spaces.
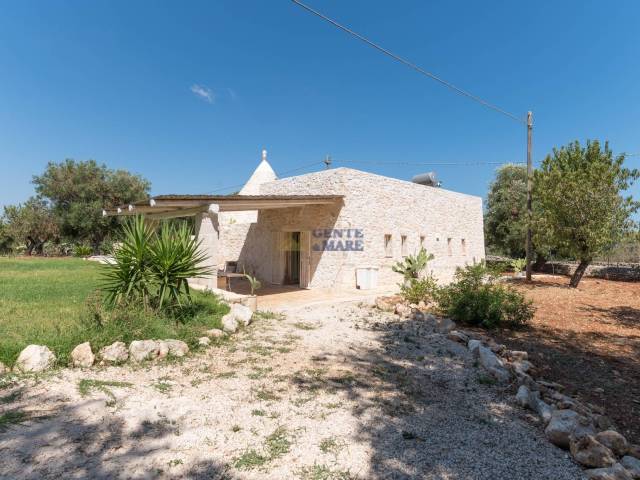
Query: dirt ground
{"x":330,"y":392}
{"x":587,"y":339}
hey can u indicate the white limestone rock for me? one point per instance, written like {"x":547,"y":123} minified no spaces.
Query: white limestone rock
{"x":543,"y":409}
{"x":241,"y":313}
{"x":214,"y":333}
{"x":177,"y":348}
{"x":473,"y":346}
{"x":587,"y":451}
{"x":613,"y":440}
{"x":617,"y":472}
{"x":229,"y":323}
{"x":565,"y":423}
{"x":493,"y":364}
{"x":82,"y":356}
{"x":632,"y":465}
{"x":35,"y":358}
{"x":163,"y":349}
{"x":141,"y":350}
{"x":522,"y":397}
{"x":115,"y":353}
{"x":445,"y":325}
{"x":204,"y":341}
{"x":517,"y":355}
{"x":458,"y":337}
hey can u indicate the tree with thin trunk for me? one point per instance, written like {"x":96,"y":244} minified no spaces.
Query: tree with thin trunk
{"x":583,"y":207}
{"x":32,"y":223}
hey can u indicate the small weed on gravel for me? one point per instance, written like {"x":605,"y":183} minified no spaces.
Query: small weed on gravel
{"x":305,"y":326}
{"x":236,"y":428}
{"x":486,"y":380}
{"x":259,"y":373}
{"x":12,"y":397}
{"x":12,"y":417}
{"x":229,"y":374}
{"x":86,"y":385}
{"x":258,"y":413}
{"x":249,"y":460}
{"x":162,"y":387}
{"x":267,"y":395}
{"x":323,"y":472}
{"x":276,"y":445}
{"x":331,"y":445}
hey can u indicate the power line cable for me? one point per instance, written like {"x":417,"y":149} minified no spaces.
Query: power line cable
{"x":411,"y":65}
{"x":441,"y":164}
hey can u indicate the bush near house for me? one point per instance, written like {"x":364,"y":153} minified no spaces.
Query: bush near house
{"x":475,"y":298}
{"x":416,"y":286}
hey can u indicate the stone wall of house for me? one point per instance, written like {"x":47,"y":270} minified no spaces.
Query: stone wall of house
{"x":447,"y":224}
{"x":234,"y":227}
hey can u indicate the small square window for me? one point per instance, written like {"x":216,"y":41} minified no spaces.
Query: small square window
{"x":403,"y":246}
{"x":388,"y":247}
{"x":449,"y":252}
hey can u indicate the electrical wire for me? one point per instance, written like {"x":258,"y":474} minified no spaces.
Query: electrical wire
{"x":415,"y":67}
{"x":440,"y":164}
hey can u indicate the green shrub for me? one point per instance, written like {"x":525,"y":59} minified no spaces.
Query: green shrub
{"x":475,"y":298}
{"x":153,"y":267}
{"x":106,"y":247}
{"x":82,"y":251}
{"x":518,"y":264}
{"x":416,"y":290}
{"x":57,"y":249}
{"x":104,"y":324}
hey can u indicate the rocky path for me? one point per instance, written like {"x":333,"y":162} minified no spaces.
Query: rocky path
{"x":328,"y":392}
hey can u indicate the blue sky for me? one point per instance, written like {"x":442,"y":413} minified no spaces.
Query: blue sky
{"x":188,"y":93}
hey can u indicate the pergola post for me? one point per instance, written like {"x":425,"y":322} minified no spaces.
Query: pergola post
{"x":208,"y":233}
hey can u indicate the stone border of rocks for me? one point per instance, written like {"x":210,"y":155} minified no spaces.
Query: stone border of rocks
{"x":579,"y":427}
{"x":38,"y":358}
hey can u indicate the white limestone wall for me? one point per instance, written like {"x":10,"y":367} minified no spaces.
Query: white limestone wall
{"x":207,"y":233}
{"x":234,"y":228}
{"x":379,"y":205}
{"x":258,"y":256}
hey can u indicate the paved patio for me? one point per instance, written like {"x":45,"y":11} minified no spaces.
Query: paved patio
{"x":276,"y":298}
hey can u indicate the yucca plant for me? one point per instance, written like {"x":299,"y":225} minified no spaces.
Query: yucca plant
{"x":153,"y":267}
{"x":175,"y":257}
{"x":129,"y":277}
{"x":413,"y":265}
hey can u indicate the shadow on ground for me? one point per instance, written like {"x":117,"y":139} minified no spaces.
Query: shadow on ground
{"x":62,"y":444}
{"x":427,"y":412}
{"x":589,"y":366}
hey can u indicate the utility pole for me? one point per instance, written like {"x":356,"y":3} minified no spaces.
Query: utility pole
{"x":529,"y":246}
{"x":327,"y":162}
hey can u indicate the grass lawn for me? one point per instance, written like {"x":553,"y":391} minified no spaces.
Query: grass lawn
{"x":44,"y":301}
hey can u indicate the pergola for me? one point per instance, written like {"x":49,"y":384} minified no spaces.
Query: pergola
{"x":171,"y":206}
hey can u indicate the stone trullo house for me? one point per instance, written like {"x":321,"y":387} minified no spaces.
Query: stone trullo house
{"x":335,"y":228}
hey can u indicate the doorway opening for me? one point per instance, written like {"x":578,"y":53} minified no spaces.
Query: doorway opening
{"x":292,"y":258}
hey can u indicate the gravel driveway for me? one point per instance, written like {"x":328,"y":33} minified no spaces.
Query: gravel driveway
{"x":328,"y":392}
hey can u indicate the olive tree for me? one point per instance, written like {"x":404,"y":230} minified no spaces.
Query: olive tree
{"x":583,"y":206}
{"x":505,"y":219}
{"x":32,"y":222}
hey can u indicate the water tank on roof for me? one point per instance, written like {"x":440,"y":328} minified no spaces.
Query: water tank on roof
{"x":428,"y":179}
